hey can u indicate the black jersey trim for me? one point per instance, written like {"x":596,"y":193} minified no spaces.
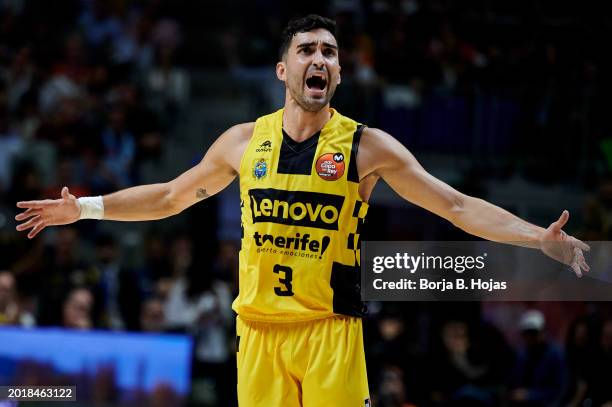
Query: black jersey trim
{"x":360,"y":223}
{"x":297,"y":158}
{"x":357,"y":208}
{"x":353,"y":176}
{"x":350,"y":244}
{"x":346,"y":283}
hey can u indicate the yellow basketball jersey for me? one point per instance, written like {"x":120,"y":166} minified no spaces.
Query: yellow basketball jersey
{"x":301,"y":219}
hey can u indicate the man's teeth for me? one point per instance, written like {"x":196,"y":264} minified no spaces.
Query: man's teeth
{"x":316,"y":82}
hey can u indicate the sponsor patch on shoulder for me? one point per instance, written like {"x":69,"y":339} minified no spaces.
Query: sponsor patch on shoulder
{"x":330,"y":166}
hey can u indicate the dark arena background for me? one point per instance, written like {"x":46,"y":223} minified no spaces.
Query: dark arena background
{"x":504,"y":100}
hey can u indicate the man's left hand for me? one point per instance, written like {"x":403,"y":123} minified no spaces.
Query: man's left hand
{"x":564,"y":248}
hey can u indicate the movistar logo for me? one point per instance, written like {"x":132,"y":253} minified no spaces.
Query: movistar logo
{"x":301,"y":208}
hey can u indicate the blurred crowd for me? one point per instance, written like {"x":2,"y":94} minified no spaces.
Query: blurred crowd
{"x":92,"y":91}
{"x":457,"y":356}
{"x":86,"y":95}
{"x":482,"y":78}
{"x":418,"y":354}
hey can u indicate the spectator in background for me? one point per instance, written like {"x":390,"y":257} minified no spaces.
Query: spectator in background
{"x":18,"y":76}
{"x":392,"y":390}
{"x":226,"y":263}
{"x":11,"y":145}
{"x":201,"y":305}
{"x":10,"y":309}
{"x":394,"y":356}
{"x":461,"y":375}
{"x":27,"y":116}
{"x":579,"y":350}
{"x":152,"y":316}
{"x":167,"y":85}
{"x":77,"y":309}
{"x":119,"y":149}
{"x":118,"y":293}
{"x":56,"y":94}
{"x":74,"y":65}
{"x":134,"y":46}
{"x":599,"y":389}
{"x":157,"y":264}
{"x":140,"y":120}
{"x":455,"y":56}
{"x":101,"y":27}
{"x":539,"y":375}
{"x":64,"y":108}
{"x":64,"y":267}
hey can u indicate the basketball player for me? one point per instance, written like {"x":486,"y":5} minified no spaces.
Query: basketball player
{"x":306,"y":173}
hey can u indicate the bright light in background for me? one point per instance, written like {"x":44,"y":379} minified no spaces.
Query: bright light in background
{"x":140,"y":360}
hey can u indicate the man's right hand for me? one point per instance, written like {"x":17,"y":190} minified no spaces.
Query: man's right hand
{"x":48,"y":212}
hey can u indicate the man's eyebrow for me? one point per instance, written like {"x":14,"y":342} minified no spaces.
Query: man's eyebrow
{"x":312,"y":43}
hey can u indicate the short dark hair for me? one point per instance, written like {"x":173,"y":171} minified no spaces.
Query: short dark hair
{"x":302,"y":25}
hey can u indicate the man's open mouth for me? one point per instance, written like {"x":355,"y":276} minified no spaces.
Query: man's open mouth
{"x":316,"y":82}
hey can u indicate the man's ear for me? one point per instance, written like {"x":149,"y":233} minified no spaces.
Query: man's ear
{"x":281,"y":71}
{"x":339,"y":76}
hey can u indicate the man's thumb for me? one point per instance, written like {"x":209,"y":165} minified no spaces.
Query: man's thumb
{"x":65,"y":193}
{"x":562,"y":220}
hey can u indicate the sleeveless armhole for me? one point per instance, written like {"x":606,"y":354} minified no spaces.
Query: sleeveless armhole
{"x":244,"y":153}
{"x":353,"y":174}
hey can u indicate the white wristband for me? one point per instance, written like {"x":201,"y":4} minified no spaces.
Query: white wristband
{"x":92,"y":207}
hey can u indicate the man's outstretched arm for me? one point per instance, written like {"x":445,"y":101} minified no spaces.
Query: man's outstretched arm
{"x":386,"y":157}
{"x":149,"y":202}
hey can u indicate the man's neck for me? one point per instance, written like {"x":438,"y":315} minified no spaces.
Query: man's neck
{"x":301,"y":124}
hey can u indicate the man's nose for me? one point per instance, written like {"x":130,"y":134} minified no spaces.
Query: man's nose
{"x":318,"y":59}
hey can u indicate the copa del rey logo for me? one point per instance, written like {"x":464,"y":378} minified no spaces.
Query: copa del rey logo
{"x":330,"y":166}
